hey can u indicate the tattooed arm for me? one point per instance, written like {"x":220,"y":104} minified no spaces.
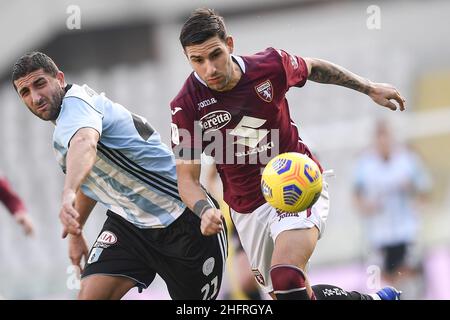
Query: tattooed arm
{"x":326,"y":72}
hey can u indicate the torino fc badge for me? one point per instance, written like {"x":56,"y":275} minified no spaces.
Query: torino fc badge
{"x":265,"y":91}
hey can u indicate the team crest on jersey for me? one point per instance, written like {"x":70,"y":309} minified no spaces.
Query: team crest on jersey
{"x":265,"y":91}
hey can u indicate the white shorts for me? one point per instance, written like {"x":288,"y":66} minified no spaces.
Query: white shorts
{"x":258,"y":231}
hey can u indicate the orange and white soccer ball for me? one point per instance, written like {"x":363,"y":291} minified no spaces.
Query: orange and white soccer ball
{"x":291,"y":182}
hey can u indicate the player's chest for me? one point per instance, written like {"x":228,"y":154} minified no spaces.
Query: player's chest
{"x":387,"y":175}
{"x":225,"y":111}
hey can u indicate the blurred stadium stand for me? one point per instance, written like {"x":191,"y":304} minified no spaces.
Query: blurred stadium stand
{"x":130,"y":51}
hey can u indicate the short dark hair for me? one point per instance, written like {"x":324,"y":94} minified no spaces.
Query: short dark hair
{"x":31,"y":62}
{"x":202,"y":25}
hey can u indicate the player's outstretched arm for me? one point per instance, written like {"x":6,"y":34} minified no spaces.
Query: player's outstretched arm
{"x":23,"y":218}
{"x":83,"y":206}
{"x":16,"y":206}
{"x":78,"y":248}
{"x":79,"y":162}
{"x":326,"y":72}
{"x":194,"y":197}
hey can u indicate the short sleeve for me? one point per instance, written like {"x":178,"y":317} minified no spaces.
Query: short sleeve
{"x":76,"y":114}
{"x":295,"y":69}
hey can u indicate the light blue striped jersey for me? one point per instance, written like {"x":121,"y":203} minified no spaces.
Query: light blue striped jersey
{"x":392,"y":185}
{"x":134,"y":174}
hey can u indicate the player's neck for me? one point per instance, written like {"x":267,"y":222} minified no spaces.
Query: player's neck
{"x":235,"y":77}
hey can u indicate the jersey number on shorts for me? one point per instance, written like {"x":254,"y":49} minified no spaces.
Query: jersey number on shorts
{"x":207,"y":288}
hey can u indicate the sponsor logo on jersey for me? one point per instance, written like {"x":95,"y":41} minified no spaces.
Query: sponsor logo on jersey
{"x":174,"y":111}
{"x":265,"y":91}
{"x":259,"y":149}
{"x":334,"y":292}
{"x":100,"y":245}
{"x":282,"y":214}
{"x":215,"y":120}
{"x":259,"y":277}
{"x":206,"y":103}
{"x":107,"y":237}
{"x":248,"y":131}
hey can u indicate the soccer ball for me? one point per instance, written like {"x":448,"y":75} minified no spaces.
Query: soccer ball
{"x":291,"y":182}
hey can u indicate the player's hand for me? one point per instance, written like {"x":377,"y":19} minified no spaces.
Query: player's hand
{"x":25,"y":221}
{"x":68,"y":215}
{"x":78,"y":250}
{"x":383,"y":93}
{"x":211,"y":222}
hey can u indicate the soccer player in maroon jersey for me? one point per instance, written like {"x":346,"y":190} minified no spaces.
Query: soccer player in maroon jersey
{"x":16,"y":206}
{"x":234,"y":108}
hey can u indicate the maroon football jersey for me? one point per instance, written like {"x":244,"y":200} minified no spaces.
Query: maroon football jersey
{"x":242,"y":128}
{"x":9,"y":197}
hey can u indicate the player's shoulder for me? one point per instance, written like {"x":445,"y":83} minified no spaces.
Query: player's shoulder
{"x":263,"y":55}
{"x":268,"y":60}
{"x":83,"y":92}
{"x":81,"y":98}
{"x":189,"y":89}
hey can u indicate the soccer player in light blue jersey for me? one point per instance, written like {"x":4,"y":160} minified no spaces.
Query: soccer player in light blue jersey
{"x":114,"y":157}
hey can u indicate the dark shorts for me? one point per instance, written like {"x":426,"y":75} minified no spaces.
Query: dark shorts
{"x":191,"y":264}
{"x":394,"y":256}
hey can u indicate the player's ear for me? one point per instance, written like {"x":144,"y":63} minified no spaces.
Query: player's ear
{"x":60,"y":78}
{"x":230,"y":43}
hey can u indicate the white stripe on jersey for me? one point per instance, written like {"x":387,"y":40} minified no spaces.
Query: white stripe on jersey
{"x":223,"y":247}
{"x":101,"y":191}
{"x":102,"y":197}
{"x":151,"y":209}
{"x":132,"y":184}
{"x":221,"y":237}
{"x":120,"y":160}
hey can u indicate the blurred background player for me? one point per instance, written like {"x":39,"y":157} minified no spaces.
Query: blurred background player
{"x":238,"y":102}
{"x":15,"y":205}
{"x":390,"y":185}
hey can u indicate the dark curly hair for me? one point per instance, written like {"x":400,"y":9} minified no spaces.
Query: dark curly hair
{"x":202,"y":25}
{"x":31,"y":62}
